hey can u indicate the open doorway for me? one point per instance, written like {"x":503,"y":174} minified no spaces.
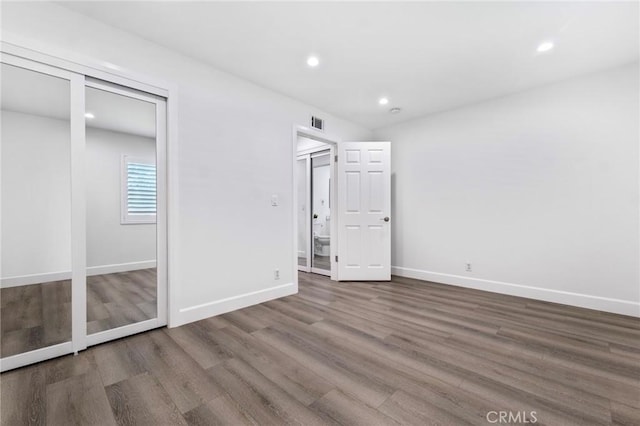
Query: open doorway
{"x":315,"y":192}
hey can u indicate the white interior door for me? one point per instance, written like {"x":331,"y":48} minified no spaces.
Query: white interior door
{"x":364,"y":204}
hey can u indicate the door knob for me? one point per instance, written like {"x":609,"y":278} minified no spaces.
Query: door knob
{"x":386,"y":219}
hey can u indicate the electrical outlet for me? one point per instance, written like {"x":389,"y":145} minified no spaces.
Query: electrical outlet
{"x":276,"y":274}
{"x":468,"y":266}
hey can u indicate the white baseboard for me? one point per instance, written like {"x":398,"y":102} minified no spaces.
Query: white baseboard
{"x":616,"y":306}
{"x":66,"y":275}
{"x":217,"y":307}
{"x":35,"y":279}
{"x":120,"y":267}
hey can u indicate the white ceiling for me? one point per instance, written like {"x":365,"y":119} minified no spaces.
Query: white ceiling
{"x":424,"y":56}
{"x":30,"y":92}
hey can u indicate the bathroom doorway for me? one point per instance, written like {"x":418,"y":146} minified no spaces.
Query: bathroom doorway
{"x":314,"y":189}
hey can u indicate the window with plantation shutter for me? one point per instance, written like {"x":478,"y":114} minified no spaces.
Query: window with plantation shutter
{"x":138,"y":191}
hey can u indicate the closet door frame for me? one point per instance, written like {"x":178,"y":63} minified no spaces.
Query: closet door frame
{"x":81,"y":71}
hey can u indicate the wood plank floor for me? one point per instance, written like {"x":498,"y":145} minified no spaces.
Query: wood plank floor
{"x":39,"y":315}
{"x":404,"y":352}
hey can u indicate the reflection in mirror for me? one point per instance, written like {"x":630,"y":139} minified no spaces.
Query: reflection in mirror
{"x":35,"y":293}
{"x":121,"y":210}
{"x":320,"y":193}
{"x":303,"y":215}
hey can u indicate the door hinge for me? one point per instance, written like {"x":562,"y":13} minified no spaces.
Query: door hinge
{"x":336,"y":258}
{"x":335,"y":158}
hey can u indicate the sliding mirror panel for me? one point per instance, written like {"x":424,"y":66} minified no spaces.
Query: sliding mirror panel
{"x":35,"y":294}
{"x":122,"y":283}
{"x":303,"y":215}
{"x":321,"y":218}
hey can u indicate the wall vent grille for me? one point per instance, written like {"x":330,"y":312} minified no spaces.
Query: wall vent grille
{"x":317,"y":123}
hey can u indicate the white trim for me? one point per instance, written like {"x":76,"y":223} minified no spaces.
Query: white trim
{"x":66,"y":275}
{"x":169,"y":220}
{"x":120,"y":267}
{"x":162,"y":290}
{"x":78,"y":215}
{"x":294,"y":204}
{"x":125,"y":330}
{"x":37,"y":355}
{"x":21,"y":280}
{"x":617,"y":306}
{"x":217,"y":307}
{"x":333,"y":142}
{"x":308,"y":226}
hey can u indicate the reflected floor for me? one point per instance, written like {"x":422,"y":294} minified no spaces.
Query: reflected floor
{"x":321,"y":262}
{"x":114,"y":300}
{"x":39,"y":315}
{"x":35,"y":316}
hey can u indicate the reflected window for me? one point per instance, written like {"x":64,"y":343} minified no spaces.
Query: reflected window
{"x":138,"y":191}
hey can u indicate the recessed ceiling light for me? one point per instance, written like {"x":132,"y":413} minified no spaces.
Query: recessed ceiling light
{"x":545,"y":46}
{"x":89,"y":115}
{"x":395,"y":110}
{"x":383,"y":101}
{"x":313,"y":61}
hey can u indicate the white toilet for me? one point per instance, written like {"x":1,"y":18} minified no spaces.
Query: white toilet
{"x":321,"y":245}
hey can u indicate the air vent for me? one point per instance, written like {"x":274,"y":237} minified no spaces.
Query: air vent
{"x":317,"y":123}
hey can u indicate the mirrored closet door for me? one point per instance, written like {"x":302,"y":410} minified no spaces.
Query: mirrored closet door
{"x":83,"y":211}
{"x":304,"y":258}
{"x":38,"y":126}
{"x":124,"y":130}
{"x":314,"y":211}
{"x":321,"y":212}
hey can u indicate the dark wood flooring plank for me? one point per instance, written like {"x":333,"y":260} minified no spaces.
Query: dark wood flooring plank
{"x":184,"y":380}
{"x":259,"y":396}
{"x":331,"y":367}
{"x":23,"y":396}
{"x":196,"y":340}
{"x":67,"y":366}
{"x":218,"y":412}
{"x":79,"y":400}
{"x":406,"y":409}
{"x":337,"y":407}
{"x":291,"y":376}
{"x":625,"y":415}
{"x":116,"y":361}
{"x":141,"y":400}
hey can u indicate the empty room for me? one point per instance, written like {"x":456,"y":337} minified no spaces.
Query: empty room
{"x":319,"y":213}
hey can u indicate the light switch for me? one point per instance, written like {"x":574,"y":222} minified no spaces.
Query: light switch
{"x":274,"y":200}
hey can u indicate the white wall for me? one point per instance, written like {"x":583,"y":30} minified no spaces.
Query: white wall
{"x":538,"y":190}
{"x":36,"y":195}
{"x":234,"y":150}
{"x":108,"y":241}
